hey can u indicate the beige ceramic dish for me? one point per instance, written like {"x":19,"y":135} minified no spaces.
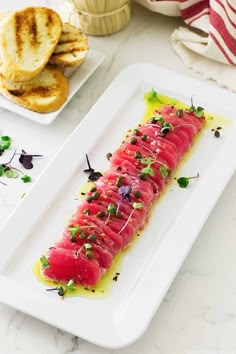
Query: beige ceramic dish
{"x":102,"y":17}
{"x":99,"y":6}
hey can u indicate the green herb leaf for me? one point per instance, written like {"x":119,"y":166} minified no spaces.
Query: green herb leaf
{"x":5,"y":142}
{"x":137,"y":205}
{"x":73,"y":230}
{"x":11,"y":173}
{"x":44,"y":262}
{"x":26,"y":179}
{"x":183,"y":182}
{"x":191,"y":109}
{"x":87,"y":246}
{"x":111,"y":208}
{"x":199,"y":112}
{"x":1,"y":170}
{"x":146,"y":160}
{"x":5,"y":138}
{"x":148,"y":171}
{"x":151,"y":96}
{"x":164,"y":172}
{"x":166,"y":128}
{"x":70,"y":286}
{"x":157,"y":118}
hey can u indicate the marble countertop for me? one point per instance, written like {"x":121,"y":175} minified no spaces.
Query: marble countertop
{"x":198,"y":313}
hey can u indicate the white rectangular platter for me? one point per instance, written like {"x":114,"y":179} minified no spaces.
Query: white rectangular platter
{"x":148,"y":269}
{"x":77,"y":78}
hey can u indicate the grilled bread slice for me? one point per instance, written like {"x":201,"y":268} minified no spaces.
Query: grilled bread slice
{"x":71,"y":49}
{"x":45,"y":93}
{"x":27,"y":39}
{"x":3,"y":18}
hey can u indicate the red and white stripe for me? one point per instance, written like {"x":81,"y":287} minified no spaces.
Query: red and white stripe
{"x":216,"y":17}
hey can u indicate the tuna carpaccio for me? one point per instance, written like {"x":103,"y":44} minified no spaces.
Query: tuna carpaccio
{"x":117,"y":207}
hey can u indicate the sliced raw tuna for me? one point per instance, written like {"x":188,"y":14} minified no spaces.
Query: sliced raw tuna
{"x":66,"y":265}
{"x":139,"y":171}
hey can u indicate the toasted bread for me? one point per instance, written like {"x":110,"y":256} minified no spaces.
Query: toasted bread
{"x":3,"y":18}
{"x":27,"y":39}
{"x":71,"y":49}
{"x":45,"y":93}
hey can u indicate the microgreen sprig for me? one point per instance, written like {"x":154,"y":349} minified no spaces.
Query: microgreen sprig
{"x":166,"y":127}
{"x":74,"y":230}
{"x":26,"y":159}
{"x":93,"y":175}
{"x":62,"y":290}
{"x":152,"y":96}
{"x":198,"y":111}
{"x":26,"y":179}
{"x":148,"y":170}
{"x":6,"y":168}
{"x":164,"y":171}
{"x":136,"y":206}
{"x":163,"y":125}
{"x":111,"y":209}
{"x":88,"y":250}
{"x":148,"y":161}
{"x":5,"y":143}
{"x":44,"y":262}
{"x":183,"y":182}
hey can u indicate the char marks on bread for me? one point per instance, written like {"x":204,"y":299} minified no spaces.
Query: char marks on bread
{"x":28,"y":38}
{"x":71,"y":49}
{"x":35,"y":47}
{"x":45,"y":93}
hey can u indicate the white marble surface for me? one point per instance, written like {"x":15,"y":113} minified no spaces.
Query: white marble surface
{"x":198,"y":314}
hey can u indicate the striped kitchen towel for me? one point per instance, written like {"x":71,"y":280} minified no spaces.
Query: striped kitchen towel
{"x":208,"y":46}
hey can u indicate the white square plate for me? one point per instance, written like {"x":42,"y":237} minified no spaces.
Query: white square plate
{"x":149,"y":268}
{"x":76,"y":79}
